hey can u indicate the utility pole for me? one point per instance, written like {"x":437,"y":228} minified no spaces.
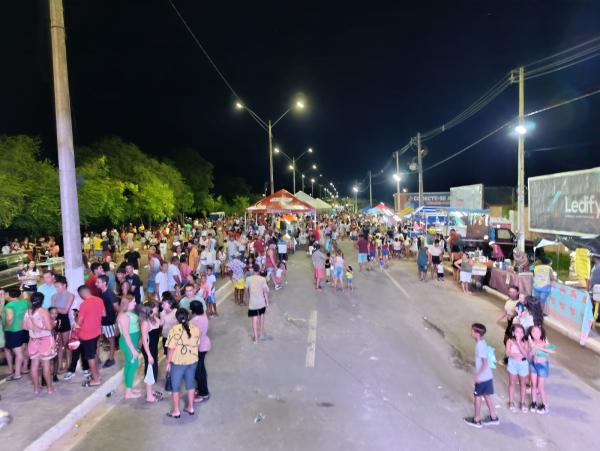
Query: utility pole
{"x":294,"y":175}
{"x":521,"y":165}
{"x":370,"y":191}
{"x":397,"y":203}
{"x":270,"y":128}
{"x":420,"y":163}
{"x":69,"y":208}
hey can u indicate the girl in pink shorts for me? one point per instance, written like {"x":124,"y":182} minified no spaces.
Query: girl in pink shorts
{"x":41,"y":346}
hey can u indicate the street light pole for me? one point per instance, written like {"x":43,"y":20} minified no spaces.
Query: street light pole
{"x":420,"y":163}
{"x":312,"y":186}
{"x":302,"y":177}
{"x":521,"y":165}
{"x":397,"y":203}
{"x":370,"y":191}
{"x":271,"y":181}
{"x":294,"y":174}
{"x":69,"y":208}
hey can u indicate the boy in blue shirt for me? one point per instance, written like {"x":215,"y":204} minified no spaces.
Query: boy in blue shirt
{"x":484,"y":384}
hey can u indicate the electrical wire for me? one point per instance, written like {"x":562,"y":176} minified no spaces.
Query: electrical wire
{"x":563,"y":103}
{"x":512,"y":121}
{"x":570,"y":49}
{"x":210,"y":60}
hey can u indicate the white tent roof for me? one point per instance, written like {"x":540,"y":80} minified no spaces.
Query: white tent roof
{"x":315,"y":203}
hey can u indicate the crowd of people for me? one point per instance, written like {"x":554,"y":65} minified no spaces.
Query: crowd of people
{"x":147,"y":283}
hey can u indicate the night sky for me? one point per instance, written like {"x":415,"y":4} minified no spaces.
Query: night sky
{"x":373,"y":74}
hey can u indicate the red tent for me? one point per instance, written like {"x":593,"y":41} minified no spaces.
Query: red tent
{"x":280,"y":202}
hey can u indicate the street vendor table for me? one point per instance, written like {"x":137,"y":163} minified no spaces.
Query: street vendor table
{"x":499,"y":278}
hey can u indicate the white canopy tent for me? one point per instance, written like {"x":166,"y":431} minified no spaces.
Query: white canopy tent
{"x":317,"y":204}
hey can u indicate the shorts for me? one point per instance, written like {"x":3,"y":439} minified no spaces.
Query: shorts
{"x":385,"y":252}
{"x":319,"y":272}
{"x":362,"y":258}
{"x":43,"y":348}
{"x":180,"y":373}
{"x":338,"y":272}
{"x":30,"y":288}
{"x":484,"y":388}
{"x":16,"y":339}
{"x":422,"y":268}
{"x":518,"y":367}
{"x":212,"y":299}
{"x":98,"y":253}
{"x":435,"y":259}
{"x":256,"y":312}
{"x":465,"y":277}
{"x":328,"y":272}
{"x":88,"y":348}
{"x":151,"y":288}
{"x":239,"y":284}
{"x":108,"y":330}
{"x":64,"y":323}
{"x":372,"y":255}
{"x":542,"y":293}
{"x":541,"y":369}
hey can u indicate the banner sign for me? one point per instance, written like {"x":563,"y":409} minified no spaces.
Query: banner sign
{"x":468,"y":197}
{"x":567,"y":203}
{"x":411,"y":200}
{"x":572,"y":308}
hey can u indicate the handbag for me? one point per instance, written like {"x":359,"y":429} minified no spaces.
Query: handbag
{"x":168,"y":383}
{"x":149,"y":378}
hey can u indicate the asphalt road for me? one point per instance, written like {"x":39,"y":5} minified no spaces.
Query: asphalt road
{"x":386,"y":367}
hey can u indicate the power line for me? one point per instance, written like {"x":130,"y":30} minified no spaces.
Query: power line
{"x":197,"y":41}
{"x":512,"y":121}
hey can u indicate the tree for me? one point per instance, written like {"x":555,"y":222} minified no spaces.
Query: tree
{"x":197,"y":174}
{"x":101,"y":197}
{"x":31,"y":183}
{"x":150,"y":196}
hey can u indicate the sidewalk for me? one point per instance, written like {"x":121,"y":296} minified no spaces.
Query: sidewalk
{"x":38,"y":421}
{"x":592,"y":342}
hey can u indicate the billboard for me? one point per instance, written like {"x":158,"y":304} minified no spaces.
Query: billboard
{"x":411,"y":200}
{"x":469,"y":197}
{"x":567,"y":203}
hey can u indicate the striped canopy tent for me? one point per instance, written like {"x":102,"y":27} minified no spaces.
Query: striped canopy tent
{"x":281,"y":202}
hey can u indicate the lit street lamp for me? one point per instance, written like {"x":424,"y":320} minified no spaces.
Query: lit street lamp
{"x":268,"y":127}
{"x":293,"y":167}
{"x":355,"y":189}
{"x":312,"y":184}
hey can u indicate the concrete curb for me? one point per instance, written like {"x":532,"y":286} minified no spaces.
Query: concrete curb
{"x":45,"y":441}
{"x":591,"y":344}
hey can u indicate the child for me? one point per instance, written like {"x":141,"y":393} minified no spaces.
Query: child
{"x":349,"y":276}
{"x":53,"y":311}
{"x":539,"y":367}
{"x":518,"y":367}
{"x":328,"y":267}
{"x":279,"y":275}
{"x":211,"y":301}
{"x":338,"y":270}
{"x":440,"y":272}
{"x":484,"y":384}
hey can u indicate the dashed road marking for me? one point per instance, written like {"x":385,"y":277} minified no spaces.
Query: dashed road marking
{"x":311,"y":349}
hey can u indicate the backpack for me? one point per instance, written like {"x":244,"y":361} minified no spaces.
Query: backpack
{"x":491,"y":357}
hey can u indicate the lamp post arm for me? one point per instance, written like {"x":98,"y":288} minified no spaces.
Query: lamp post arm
{"x":282,"y":116}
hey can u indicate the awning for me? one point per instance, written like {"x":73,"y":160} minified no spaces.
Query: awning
{"x":281,"y":202}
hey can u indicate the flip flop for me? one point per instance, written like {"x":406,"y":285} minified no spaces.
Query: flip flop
{"x":188,"y":412}
{"x":13,"y":378}
{"x":170,"y":415}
